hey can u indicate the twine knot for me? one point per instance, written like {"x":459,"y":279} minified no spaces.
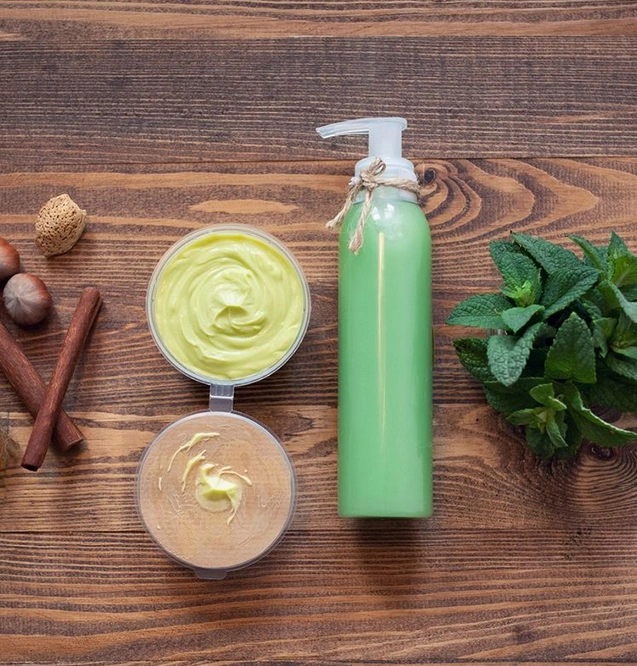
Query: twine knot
{"x":368,"y":180}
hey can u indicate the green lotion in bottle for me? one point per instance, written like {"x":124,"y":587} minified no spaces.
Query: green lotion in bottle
{"x":385,"y":336}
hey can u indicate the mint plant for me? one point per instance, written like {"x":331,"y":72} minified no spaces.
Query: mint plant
{"x":563,"y":341}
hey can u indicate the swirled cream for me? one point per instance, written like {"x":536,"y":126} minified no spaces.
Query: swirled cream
{"x":228,"y":305}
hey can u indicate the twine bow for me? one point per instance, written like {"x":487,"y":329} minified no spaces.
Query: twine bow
{"x":368,"y":180}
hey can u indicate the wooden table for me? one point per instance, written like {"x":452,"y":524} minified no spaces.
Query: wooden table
{"x":163,"y":117}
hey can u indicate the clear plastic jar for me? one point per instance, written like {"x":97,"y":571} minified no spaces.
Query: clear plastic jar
{"x":254,"y":237}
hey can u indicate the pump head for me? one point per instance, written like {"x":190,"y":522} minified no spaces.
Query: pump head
{"x":385,"y":142}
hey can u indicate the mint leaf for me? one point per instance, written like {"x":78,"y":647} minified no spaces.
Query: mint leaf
{"x":573,"y":439}
{"x":508,"y":354}
{"x":624,"y":334}
{"x":545,"y":395}
{"x":621,"y":263}
{"x":591,"y":426}
{"x":549,"y":256}
{"x":603,"y":329}
{"x":527,"y":416}
{"x":630,"y":291}
{"x":508,"y":399}
{"x":556,"y":432}
{"x":548,"y":420}
{"x":522,"y":295}
{"x":606,"y":326}
{"x":517,"y":318}
{"x":572,"y":355}
{"x":626,"y":367}
{"x":481,"y":310}
{"x":472,"y":353}
{"x":616,"y":255}
{"x":624,"y":271}
{"x":555,"y":435}
{"x":539,"y":442}
{"x":522,"y":281}
{"x":564,"y":286}
{"x":629,"y":352}
{"x":615,"y":299}
{"x":595,"y":255}
{"x":546,"y":331}
{"x":594,"y":303}
{"x":616,"y":246}
{"x":613,"y":392}
{"x":544,"y":420}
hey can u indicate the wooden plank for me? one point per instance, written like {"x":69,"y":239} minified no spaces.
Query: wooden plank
{"x":400,"y":595}
{"x":379,"y":592}
{"x":315,"y":661}
{"x":241,"y":20}
{"x":136,"y":214}
{"x":125,"y":392}
{"x":484,"y":476}
{"x":146,"y":101}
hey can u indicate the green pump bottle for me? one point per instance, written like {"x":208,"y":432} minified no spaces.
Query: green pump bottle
{"x":384,"y":339}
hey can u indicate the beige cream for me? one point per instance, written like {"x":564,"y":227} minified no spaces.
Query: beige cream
{"x":226,"y":535}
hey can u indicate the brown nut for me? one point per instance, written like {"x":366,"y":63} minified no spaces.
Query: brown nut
{"x":9,"y":260}
{"x":59,"y":225}
{"x":27,"y":299}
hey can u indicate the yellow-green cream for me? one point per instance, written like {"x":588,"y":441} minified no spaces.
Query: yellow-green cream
{"x":228,"y":305}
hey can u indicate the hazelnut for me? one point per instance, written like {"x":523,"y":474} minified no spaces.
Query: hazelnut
{"x":27,"y":299}
{"x":59,"y":225}
{"x":9,"y":260}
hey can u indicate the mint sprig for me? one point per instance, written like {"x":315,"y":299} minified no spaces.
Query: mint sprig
{"x":562,"y":340}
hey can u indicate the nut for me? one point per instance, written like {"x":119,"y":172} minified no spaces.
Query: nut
{"x":59,"y":225}
{"x":9,"y":260}
{"x":27,"y":299}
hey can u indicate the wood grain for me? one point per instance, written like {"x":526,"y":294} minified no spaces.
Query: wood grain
{"x":160,"y":117}
{"x":522,"y":561}
{"x":392,"y":596}
{"x":136,"y":215}
{"x":100,"y":102}
{"x":242,"y":20}
{"x":484,"y":478}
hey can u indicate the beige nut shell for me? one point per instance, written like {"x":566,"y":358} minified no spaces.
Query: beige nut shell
{"x":59,"y":225}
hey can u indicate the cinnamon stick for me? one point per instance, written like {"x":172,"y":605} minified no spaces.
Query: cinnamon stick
{"x":81,"y":322}
{"x":31,"y":389}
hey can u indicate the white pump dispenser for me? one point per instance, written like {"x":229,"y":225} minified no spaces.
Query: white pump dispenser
{"x":385,"y":142}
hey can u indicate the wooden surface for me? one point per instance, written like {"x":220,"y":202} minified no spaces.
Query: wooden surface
{"x":162,"y":117}
{"x":175,"y":101}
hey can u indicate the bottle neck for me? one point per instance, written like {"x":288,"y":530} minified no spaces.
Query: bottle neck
{"x":395,"y":168}
{"x":383,"y":193}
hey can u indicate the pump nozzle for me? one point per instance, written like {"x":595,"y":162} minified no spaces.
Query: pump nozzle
{"x":385,"y":134}
{"x":385,"y":142}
